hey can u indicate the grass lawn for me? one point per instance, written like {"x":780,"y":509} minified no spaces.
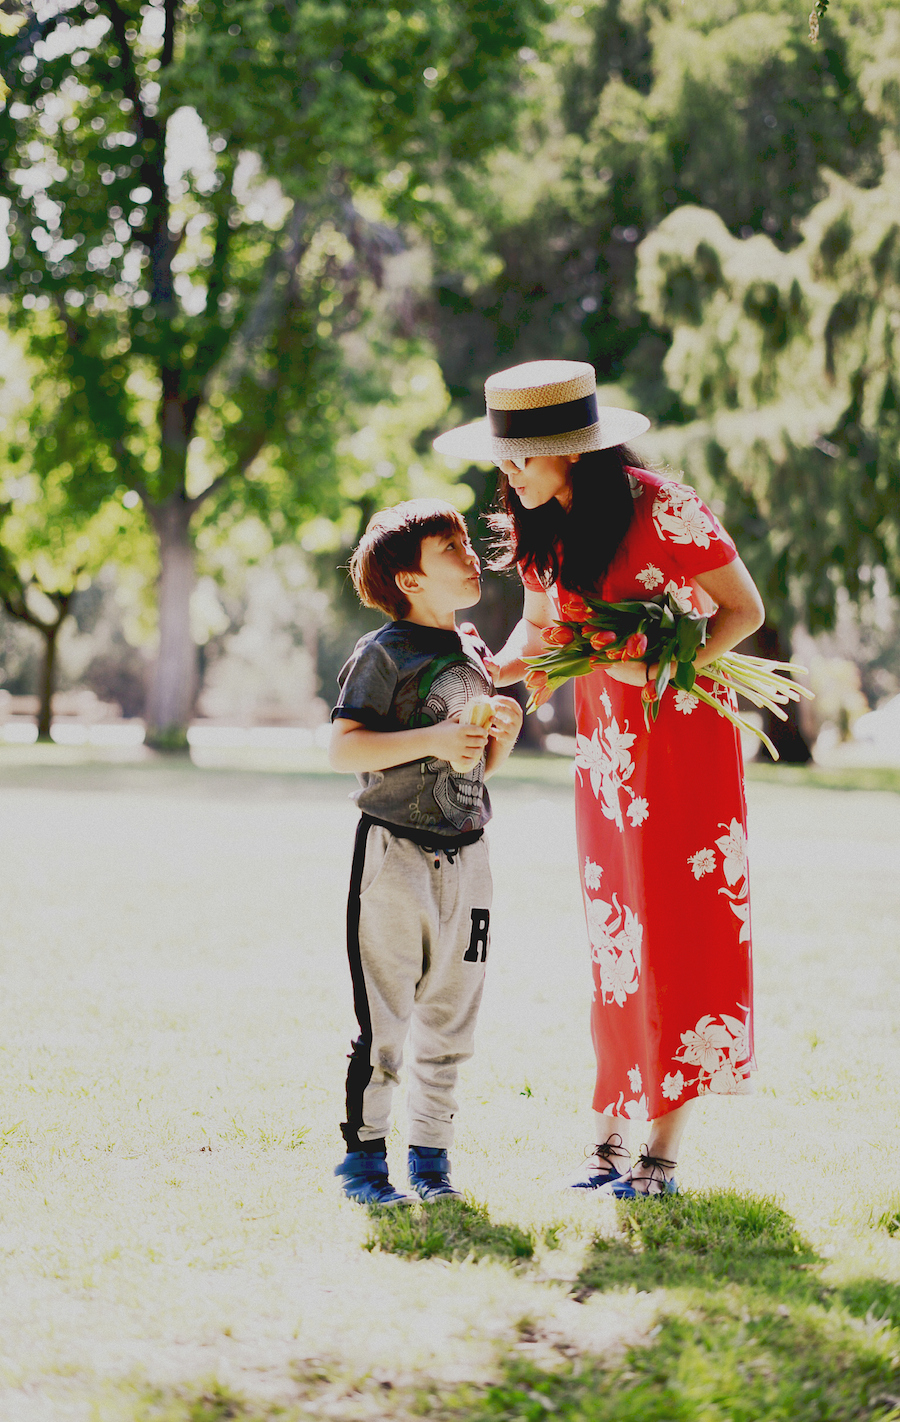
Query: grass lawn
{"x":175,"y":1018}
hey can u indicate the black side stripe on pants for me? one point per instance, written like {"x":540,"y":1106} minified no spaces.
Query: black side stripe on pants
{"x":359,"y":1072}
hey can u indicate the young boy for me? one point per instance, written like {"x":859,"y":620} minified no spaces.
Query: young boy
{"x":420,"y":886}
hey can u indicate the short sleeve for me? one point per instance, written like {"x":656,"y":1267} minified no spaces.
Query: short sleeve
{"x":530,"y":579}
{"x":693,"y":539}
{"x":368,"y":683}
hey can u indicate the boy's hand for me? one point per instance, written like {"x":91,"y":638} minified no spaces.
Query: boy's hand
{"x":463,"y":745}
{"x":507,"y":721}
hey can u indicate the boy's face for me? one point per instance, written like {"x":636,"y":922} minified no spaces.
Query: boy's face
{"x":449,"y":576}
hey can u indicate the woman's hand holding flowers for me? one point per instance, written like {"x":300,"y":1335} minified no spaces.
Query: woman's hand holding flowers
{"x":619,"y":638}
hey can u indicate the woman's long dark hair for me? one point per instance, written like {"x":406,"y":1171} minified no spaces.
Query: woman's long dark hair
{"x":576,"y":546}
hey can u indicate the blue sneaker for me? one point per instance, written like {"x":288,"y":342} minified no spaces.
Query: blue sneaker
{"x":600,"y":1168}
{"x":649,"y":1168}
{"x":429,"y":1174}
{"x":365,"y":1180}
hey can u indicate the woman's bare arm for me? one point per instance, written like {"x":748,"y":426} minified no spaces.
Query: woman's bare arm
{"x":740,"y":612}
{"x":524,"y":640}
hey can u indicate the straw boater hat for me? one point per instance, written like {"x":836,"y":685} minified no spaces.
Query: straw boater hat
{"x":542,"y":407}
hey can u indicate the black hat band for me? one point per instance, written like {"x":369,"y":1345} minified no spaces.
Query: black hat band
{"x":549,"y":420}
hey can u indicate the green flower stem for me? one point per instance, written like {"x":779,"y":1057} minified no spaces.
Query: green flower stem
{"x":742,"y":688}
{"x":735,"y":720}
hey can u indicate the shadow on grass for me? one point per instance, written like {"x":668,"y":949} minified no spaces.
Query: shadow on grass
{"x":448,"y":1229}
{"x":746,"y":1330}
{"x":702,"y":1241}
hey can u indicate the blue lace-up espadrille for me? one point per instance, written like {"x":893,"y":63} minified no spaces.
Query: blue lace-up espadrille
{"x":600,"y":1167}
{"x":364,"y":1178}
{"x":650,"y":1169}
{"x":429,"y":1174}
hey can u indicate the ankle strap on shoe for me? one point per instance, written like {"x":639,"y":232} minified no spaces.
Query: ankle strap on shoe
{"x":430,"y":1161}
{"x":653,"y":1167}
{"x":612,"y":1146}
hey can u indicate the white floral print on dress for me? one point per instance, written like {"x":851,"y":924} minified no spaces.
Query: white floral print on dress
{"x":638,"y":810}
{"x":606,"y":756}
{"x":635,"y":1110}
{"x":650,"y":576}
{"x":686,"y":702}
{"x":680,"y":517}
{"x":592,"y":874}
{"x":616,"y":937}
{"x":721,"y":1052}
{"x":634,"y":1079}
{"x":680,"y":595}
{"x":673,"y":1085}
{"x":605,"y":702}
{"x":703,"y":862}
{"x":733,"y":847}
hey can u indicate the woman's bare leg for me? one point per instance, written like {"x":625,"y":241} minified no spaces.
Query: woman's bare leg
{"x":666,"y":1131}
{"x":606,"y":1127}
{"x":664,"y":1140}
{"x":665,"y":1143}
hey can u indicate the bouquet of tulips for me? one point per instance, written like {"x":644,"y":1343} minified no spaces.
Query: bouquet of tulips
{"x":596,"y":633}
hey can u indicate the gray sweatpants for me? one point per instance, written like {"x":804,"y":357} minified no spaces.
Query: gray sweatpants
{"x":417,"y":938}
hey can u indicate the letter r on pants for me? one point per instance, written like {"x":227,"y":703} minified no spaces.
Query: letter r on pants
{"x":478,"y":938}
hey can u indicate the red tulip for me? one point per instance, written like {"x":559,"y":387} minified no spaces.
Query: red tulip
{"x":539,"y":688}
{"x":575,"y":608}
{"x":557,"y":636}
{"x":599,"y":640}
{"x":636,"y":645}
{"x":616,"y":654}
{"x":648,"y":693}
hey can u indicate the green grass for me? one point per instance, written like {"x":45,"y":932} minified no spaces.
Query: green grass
{"x":701,"y":1240}
{"x":449,"y":1229}
{"x":174,"y":1022}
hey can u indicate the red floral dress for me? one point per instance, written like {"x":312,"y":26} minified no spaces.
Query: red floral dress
{"x":661,"y":823}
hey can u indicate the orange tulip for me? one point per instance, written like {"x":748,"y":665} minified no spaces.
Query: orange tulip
{"x":558,"y":636}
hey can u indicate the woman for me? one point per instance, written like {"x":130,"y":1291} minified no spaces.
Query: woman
{"x":660,"y":813}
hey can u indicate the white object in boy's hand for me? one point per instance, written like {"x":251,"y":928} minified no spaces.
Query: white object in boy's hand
{"x":477,"y":712}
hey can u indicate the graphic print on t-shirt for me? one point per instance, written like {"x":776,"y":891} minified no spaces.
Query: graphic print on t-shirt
{"x":406,"y":676}
{"x":453,"y":684}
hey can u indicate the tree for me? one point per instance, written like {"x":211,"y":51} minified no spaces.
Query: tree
{"x":640,"y":109}
{"x":47,"y":556}
{"x":792,"y":363}
{"x":197,"y":192}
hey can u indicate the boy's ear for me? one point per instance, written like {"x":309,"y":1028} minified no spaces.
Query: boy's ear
{"x":407,"y":581}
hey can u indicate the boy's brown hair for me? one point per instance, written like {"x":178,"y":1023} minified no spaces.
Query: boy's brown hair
{"x":392,"y":544}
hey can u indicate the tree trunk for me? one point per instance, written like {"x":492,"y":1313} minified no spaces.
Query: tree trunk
{"x":47,"y":681}
{"x":173,"y":686}
{"x":786,"y":736}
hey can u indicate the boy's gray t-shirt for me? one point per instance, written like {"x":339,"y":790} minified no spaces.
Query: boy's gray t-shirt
{"x":404,"y":676}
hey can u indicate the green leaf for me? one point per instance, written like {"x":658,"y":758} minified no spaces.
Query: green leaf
{"x":684,"y":676}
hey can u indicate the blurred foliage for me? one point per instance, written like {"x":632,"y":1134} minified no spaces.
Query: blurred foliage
{"x":791,"y":361}
{"x":199,"y":200}
{"x":256,"y":250}
{"x":635,"y":109}
{"x":50,"y":548}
